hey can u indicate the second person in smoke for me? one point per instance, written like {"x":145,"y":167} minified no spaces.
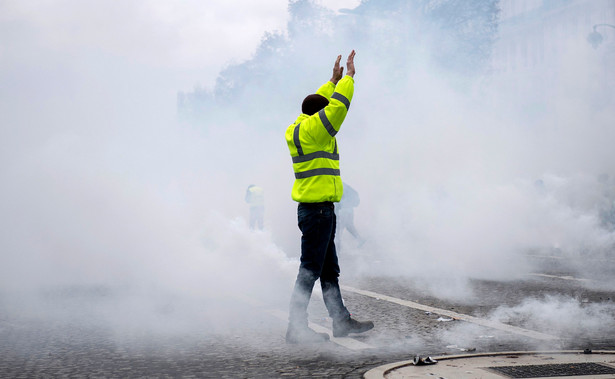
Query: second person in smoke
{"x":344,"y":212}
{"x":314,"y":151}
{"x":255,"y":197}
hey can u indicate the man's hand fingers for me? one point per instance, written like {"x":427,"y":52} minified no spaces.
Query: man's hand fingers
{"x":350,"y":64}
{"x":351,"y":56}
{"x":337,"y":61}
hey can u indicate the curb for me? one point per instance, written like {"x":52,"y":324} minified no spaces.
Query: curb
{"x":381,"y":371}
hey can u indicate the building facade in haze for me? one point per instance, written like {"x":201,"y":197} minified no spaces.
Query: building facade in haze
{"x":541,"y":40}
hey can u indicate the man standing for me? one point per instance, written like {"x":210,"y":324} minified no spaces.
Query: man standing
{"x":344,"y":212}
{"x":313,"y":148}
{"x":255,"y":197}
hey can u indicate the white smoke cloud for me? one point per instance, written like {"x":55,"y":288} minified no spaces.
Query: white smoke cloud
{"x":570,"y":321}
{"x":564,"y":317}
{"x":448,"y":186}
{"x":104,"y":186}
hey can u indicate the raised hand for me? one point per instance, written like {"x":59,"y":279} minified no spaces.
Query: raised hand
{"x":350,"y":64}
{"x":338,"y":71}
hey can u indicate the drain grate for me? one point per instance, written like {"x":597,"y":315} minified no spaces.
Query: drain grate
{"x":564,"y":369}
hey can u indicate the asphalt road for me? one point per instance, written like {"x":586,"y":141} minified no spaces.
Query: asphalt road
{"x":99,"y":332}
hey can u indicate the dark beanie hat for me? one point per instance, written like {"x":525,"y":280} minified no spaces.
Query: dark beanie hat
{"x":313,"y":103}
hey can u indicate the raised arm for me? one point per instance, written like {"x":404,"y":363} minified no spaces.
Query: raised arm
{"x":330,"y":118}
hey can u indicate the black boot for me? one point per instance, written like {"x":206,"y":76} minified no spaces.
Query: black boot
{"x":303,"y":334}
{"x":343,"y":327}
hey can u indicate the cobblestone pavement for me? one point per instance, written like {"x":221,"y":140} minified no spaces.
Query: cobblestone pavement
{"x":84,"y":333}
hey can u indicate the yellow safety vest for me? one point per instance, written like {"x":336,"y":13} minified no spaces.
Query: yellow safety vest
{"x":313,"y":148}
{"x":255,"y":196}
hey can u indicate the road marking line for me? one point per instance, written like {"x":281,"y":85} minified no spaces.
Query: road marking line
{"x":346,"y":342}
{"x":455,"y":315}
{"x":566,"y":277}
{"x":544,"y":256}
{"x":594,"y":259}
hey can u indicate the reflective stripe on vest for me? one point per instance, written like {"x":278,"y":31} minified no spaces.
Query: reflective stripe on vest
{"x":296,"y":140}
{"x":342,"y":98}
{"x":317,"y":154}
{"x":317,"y":172}
{"x":325,"y":121}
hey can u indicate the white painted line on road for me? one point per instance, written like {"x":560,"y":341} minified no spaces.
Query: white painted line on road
{"x":565,"y":277}
{"x":594,"y":259}
{"x":544,"y":256}
{"x":347,"y":342}
{"x":455,"y":315}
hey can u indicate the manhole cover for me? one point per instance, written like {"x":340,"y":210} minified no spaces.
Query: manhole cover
{"x":563,"y":369}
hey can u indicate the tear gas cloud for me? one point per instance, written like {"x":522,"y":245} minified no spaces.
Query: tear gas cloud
{"x":463,"y":169}
{"x":571,"y":320}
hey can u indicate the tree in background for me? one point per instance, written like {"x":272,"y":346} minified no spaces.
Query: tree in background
{"x":456,"y":36}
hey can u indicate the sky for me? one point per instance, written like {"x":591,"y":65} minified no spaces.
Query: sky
{"x":193,"y":38}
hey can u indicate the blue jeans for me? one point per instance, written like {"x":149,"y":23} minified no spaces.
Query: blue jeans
{"x":318,"y":261}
